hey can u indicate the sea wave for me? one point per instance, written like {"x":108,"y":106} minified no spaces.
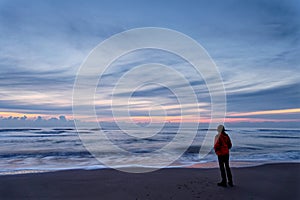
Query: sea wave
{"x":44,"y":149}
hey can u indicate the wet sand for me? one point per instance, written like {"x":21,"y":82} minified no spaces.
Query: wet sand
{"x":271,"y":181}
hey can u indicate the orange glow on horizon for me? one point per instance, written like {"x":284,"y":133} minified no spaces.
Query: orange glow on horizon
{"x":266,"y":112}
{"x":251,"y":120}
{"x":231,"y":117}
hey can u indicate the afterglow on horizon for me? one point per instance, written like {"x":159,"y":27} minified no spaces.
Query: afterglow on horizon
{"x":255,"y":45}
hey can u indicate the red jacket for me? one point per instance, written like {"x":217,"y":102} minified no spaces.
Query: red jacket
{"x":222,"y":144}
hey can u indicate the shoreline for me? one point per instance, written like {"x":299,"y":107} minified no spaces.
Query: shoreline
{"x":268,"y":181}
{"x":200,"y":165}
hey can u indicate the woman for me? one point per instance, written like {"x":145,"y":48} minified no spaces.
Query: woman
{"x":222,"y":146}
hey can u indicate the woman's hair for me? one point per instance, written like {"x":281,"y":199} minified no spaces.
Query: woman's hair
{"x":221,"y":129}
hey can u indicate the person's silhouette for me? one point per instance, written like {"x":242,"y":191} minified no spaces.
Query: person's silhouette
{"x":222,"y":146}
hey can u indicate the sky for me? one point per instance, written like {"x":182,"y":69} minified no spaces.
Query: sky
{"x":255,"y":45}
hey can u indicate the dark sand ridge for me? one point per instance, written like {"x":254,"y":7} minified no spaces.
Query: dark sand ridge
{"x":271,"y":181}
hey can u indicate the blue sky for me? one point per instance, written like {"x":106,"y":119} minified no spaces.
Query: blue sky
{"x":255,"y":44}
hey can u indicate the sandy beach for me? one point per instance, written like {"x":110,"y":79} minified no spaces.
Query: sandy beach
{"x":271,"y":181}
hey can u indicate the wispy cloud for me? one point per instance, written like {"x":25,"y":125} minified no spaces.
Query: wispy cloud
{"x":255,"y":45}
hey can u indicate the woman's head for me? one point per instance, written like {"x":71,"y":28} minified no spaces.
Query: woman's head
{"x":221,"y":129}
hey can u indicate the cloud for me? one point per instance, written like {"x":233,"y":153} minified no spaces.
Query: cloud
{"x":61,"y":121}
{"x":255,"y":45}
{"x":274,"y":98}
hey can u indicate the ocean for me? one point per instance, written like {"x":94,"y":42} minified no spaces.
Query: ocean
{"x":26,"y":150}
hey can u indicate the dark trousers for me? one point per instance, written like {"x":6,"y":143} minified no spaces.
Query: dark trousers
{"x":224,"y":163}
